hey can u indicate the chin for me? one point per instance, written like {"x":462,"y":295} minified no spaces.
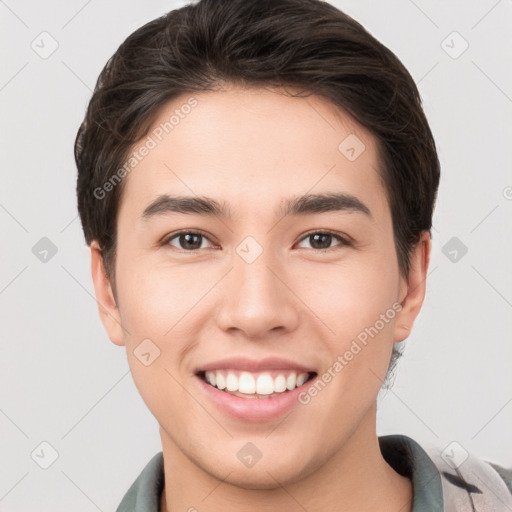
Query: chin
{"x":262,"y":479}
{"x":264,"y":475}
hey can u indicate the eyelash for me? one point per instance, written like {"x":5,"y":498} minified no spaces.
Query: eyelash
{"x":343,"y":241}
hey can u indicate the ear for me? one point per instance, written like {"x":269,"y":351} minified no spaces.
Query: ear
{"x":107,"y":307}
{"x":412,"y":291}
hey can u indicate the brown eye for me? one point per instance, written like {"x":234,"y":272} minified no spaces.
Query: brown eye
{"x":187,"y":240}
{"x":322,"y":241}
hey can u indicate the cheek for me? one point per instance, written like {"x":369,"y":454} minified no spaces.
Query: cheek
{"x":156,"y":300}
{"x":358,"y":303}
{"x":351,"y":298}
{"x":157,"y":310}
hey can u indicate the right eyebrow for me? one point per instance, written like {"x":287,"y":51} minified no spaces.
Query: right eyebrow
{"x":185,"y":204}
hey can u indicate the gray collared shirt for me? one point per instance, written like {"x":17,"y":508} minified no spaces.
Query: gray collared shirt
{"x":402,"y":453}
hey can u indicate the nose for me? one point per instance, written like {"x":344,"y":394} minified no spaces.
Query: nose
{"x":258,"y":299}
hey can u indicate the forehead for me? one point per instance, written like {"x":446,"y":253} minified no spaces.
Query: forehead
{"x":250,"y":146}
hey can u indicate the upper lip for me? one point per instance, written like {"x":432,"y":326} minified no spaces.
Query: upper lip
{"x":254,"y":365}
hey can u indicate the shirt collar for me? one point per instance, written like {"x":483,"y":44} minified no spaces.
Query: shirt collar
{"x":402,"y":453}
{"x":409,"y":459}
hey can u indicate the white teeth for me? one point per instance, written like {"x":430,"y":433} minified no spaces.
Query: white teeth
{"x":210,"y":377}
{"x":265,"y":385}
{"x":252,"y":384}
{"x":246,"y":383}
{"x":231,"y":382}
{"x":301,"y":379}
{"x":221,"y":382}
{"x":291,"y":381}
{"x":280,"y":384}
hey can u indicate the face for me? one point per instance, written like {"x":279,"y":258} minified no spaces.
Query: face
{"x":256,"y":289}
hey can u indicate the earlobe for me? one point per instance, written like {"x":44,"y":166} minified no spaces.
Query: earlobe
{"x":415,"y":288}
{"x":107,"y":307}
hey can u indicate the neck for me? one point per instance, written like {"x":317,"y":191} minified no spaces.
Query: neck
{"x":355,"y":478}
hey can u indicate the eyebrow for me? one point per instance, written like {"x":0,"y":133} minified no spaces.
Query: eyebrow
{"x":302,"y":205}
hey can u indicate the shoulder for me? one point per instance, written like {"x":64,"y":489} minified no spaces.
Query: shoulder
{"x":463,"y":479}
{"x":505,"y":474}
{"x":144,"y":494}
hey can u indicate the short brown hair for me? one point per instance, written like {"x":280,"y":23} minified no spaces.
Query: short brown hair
{"x":304,"y":44}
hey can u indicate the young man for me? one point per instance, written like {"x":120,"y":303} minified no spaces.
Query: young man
{"x":256,"y":183}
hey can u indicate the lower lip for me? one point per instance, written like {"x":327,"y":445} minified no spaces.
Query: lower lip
{"x":254,"y":409}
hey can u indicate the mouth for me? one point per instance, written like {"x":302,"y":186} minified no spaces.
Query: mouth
{"x":265,"y":384}
{"x":253,"y":390}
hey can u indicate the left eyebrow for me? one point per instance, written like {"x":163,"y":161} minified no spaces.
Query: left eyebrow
{"x":302,"y":205}
{"x":320,"y":203}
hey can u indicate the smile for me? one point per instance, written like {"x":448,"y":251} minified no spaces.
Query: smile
{"x":264,"y":384}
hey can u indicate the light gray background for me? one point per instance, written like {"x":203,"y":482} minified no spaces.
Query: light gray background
{"x":64,"y":382}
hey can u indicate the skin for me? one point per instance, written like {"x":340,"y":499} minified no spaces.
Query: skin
{"x":253,"y":148}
